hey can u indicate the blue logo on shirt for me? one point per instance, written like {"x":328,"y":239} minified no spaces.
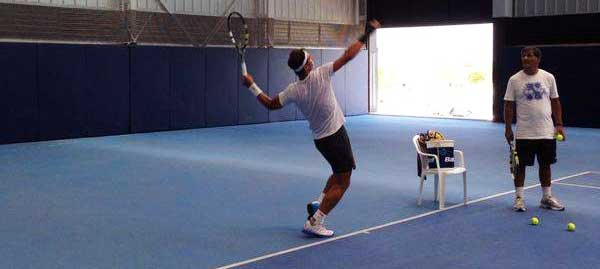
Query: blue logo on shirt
{"x":534,"y":91}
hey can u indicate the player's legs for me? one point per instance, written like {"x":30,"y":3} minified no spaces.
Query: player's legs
{"x":330,"y":182}
{"x":526,"y":155}
{"x":546,"y":155}
{"x":545,"y":174}
{"x":312,"y":207}
{"x":336,"y":149}
{"x":520,"y":179}
{"x":339,"y":183}
{"x":334,"y":194}
{"x":519,"y":203}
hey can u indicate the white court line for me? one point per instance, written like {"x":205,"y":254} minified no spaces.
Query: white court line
{"x":578,"y":185}
{"x":367,"y":230}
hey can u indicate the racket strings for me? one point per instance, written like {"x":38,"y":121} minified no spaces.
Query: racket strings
{"x":238,"y":32}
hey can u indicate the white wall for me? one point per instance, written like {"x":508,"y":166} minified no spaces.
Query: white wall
{"x":324,"y":11}
{"x":318,"y":11}
{"x":92,"y":4}
{"x":197,"y":7}
{"x":502,"y":8}
{"x":328,"y":11}
{"x":527,"y":8}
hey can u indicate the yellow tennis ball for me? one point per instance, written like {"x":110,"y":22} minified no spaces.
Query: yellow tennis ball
{"x":535,"y":221}
{"x":571,"y":227}
{"x":560,"y":137}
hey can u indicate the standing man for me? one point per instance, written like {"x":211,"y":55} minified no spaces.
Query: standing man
{"x":314,"y":96}
{"x":536,"y":97}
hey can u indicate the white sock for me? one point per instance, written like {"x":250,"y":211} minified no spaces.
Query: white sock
{"x":547,"y":192}
{"x":519,"y":191}
{"x":320,"y":199}
{"x":318,"y":217}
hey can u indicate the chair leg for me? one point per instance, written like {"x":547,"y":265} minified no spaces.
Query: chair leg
{"x":436,"y":196}
{"x":465,"y":187}
{"x":419,"y":199}
{"x":442,"y":191}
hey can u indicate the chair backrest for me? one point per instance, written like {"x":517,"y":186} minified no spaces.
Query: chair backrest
{"x":423,"y":158}
{"x":416,"y":143}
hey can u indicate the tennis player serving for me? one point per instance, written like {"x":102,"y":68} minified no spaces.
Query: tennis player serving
{"x":314,"y":96}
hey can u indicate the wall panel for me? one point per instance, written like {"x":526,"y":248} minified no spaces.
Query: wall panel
{"x":19,"y":114}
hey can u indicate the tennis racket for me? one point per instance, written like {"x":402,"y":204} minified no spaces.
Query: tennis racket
{"x":513,"y":163}
{"x":238,"y":32}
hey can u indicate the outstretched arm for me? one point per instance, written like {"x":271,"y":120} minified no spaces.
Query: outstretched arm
{"x":354,"y":49}
{"x":265,"y":100}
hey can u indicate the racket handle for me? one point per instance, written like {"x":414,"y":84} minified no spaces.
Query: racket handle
{"x":244,"y":71}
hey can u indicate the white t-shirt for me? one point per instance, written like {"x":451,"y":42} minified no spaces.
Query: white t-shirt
{"x":316,"y":100}
{"x":532,"y":95}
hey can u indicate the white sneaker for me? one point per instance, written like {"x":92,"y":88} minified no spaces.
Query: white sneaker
{"x":519,"y":205}
{"x":317,"y":230}
{"x":551,"y":203}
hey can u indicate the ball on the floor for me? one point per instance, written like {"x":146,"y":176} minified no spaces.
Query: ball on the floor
{"x":571,"y":226}
{"x":560,"y":137}
{"x":535,"y":221}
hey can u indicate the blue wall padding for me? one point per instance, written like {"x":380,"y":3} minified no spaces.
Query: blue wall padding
{"x":316,"y":54}
{"x":250,"y":110}
{"x":188,"y":88}
{"x":57,"y":91}
{"x":357,"y":85}
{"x":339,"y":78}
{"x":222,"y":81}
{"x":578,"y":96}
{"x":18,"y":96}
{"x":280,"y":76}
{"x":150,"y":89}
{"x":62,"y":107}
{"x":107,"y":90}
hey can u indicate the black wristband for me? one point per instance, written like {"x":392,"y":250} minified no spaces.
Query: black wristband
{"x":363,"y":38}
{"x":369,"y":29}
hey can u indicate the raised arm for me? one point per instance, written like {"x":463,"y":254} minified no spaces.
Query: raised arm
{"x":265,"y":100}
{"x":354,"y":49}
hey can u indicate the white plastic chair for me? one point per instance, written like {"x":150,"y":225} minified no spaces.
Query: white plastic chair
{"x":440,"y":174}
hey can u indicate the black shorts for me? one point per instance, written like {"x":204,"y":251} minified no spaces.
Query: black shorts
{"x":337,"y":151}
{"x":544,"y":149}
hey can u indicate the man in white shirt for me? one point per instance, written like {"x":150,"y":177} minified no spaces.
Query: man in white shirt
{"x":534,"y":92}
{"x":314,"y":96}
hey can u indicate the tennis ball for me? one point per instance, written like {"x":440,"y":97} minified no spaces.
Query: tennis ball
{"x":560,"y":137}
{"x":571,"y":227}
{"x":535,"y":221}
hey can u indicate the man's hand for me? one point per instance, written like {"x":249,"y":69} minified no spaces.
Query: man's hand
{"x":371,"y":26}
{"x":374,"y":24}
{"x":247,"y":80}
{"x":508,"y":133}
{"x":560,"y":130}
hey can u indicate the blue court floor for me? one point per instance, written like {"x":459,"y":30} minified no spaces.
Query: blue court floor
{"x":483,"y":234}
{"x":215,"y":197}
